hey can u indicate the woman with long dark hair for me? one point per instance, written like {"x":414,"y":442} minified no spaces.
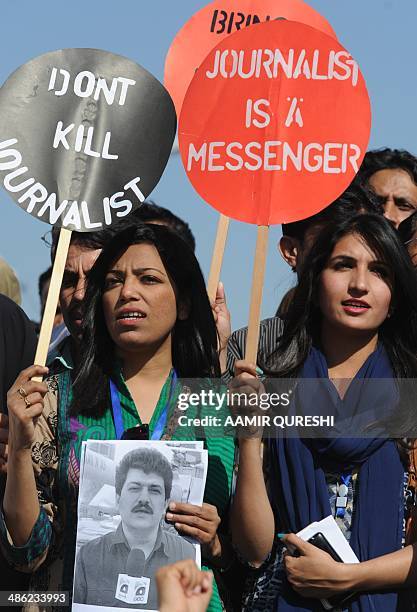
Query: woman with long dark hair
{"x":352,"y":325}
{"x":148,"y":323}
{"x":175,"y":314}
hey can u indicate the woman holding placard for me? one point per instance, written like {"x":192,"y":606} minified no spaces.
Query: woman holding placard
{"x":351,"y":330}
{"x":148,"y":323}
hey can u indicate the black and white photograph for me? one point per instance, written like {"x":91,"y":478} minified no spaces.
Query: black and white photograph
{"x":122,"y":536}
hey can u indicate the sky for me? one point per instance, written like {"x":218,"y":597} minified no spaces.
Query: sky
{"x":380,"y":35}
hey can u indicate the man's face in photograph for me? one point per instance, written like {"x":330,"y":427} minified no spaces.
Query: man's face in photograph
{"x":142,"y":500}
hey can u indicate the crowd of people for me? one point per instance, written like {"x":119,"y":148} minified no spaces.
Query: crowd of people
{"x":134,"y":320}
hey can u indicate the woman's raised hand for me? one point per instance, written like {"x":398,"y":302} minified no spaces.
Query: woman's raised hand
{"x":25,"y":405}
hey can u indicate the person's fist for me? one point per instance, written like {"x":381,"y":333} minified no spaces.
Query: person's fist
{"x":182,"y":587}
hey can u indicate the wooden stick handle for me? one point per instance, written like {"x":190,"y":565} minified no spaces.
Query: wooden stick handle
{"x":53,"y":296}
{"x":217,"y":259}
{"x":256,"y":293}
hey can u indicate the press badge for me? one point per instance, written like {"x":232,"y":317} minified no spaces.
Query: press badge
{"x":132,"y":590}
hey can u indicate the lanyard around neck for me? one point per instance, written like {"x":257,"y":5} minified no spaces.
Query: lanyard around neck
{"x":117,"y":410}
{"x":342,"y":495}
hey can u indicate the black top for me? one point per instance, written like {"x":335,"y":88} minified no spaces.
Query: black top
{"x":17,"y":345}
{"x":17,"y":351}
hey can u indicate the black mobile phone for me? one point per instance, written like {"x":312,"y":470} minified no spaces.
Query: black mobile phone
{"x":320,"y":541}
{"x":337,"y":601}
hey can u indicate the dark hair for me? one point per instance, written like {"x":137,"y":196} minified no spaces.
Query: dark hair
{"x":86,"y":240}
{"x":356,"y":199}
{"x":194,"y":340}
{"x":302,"y":322}
{"x":387,"y":159}
{"x":408,"y":228}
{"x":145,"y":213}
{"x":148,"y":460}
{"x":44,"y":278}
{"x":149,"y":211}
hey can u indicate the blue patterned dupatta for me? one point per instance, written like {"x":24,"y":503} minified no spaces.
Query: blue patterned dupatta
{"x":298,"y":466}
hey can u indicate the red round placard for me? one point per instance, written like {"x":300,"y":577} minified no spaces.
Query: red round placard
{"x":219,"y":19}
{"x":275,"y":123}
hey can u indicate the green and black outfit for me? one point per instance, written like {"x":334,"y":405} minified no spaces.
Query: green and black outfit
{"x":56,"y":460}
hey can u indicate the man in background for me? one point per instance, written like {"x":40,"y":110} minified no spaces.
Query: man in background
{"x":58,"y":329}
{"x":392,"y":176}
